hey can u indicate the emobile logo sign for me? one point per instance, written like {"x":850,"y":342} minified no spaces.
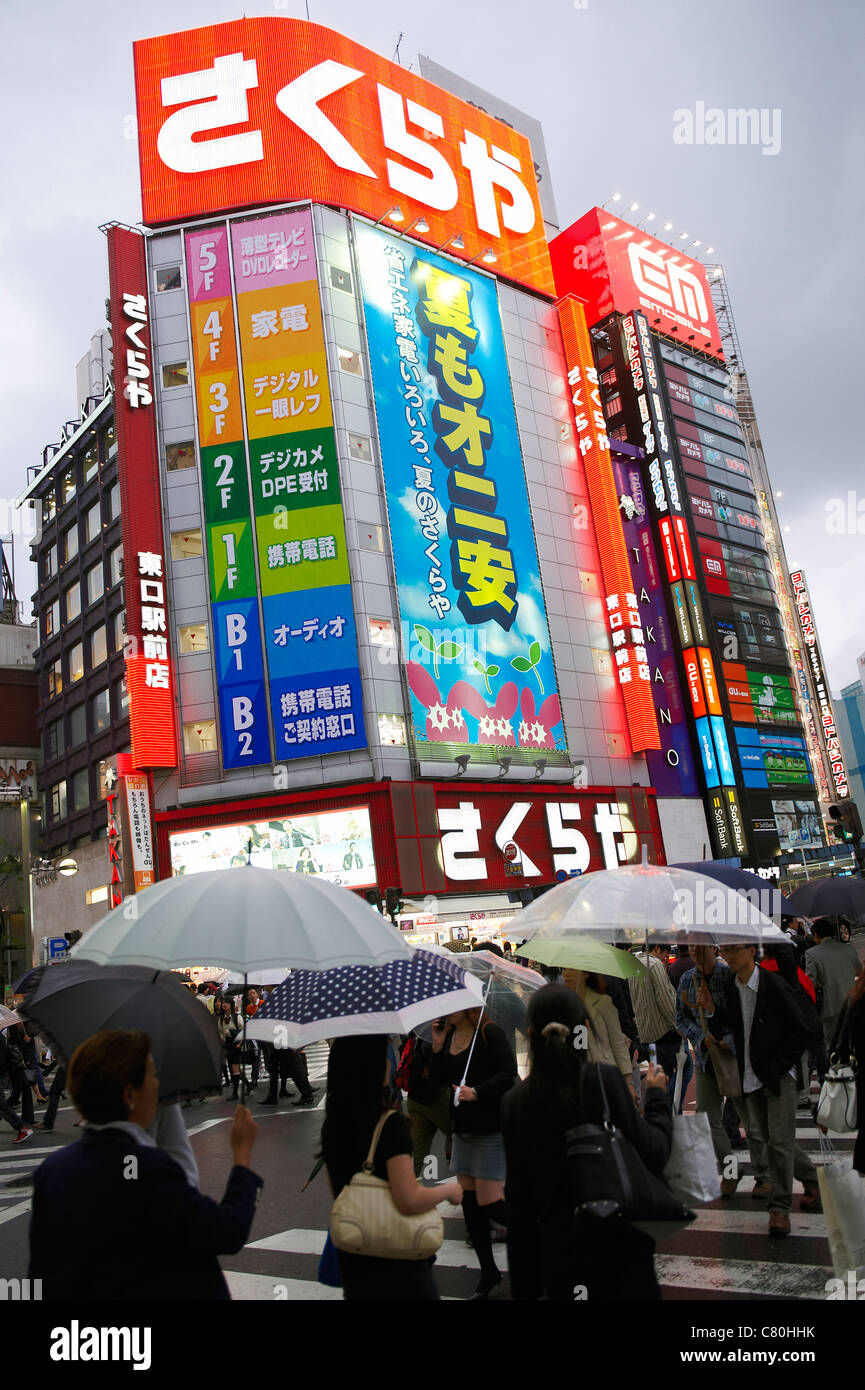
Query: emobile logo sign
{"x":612,"y":265}
{"x":275,"y":110}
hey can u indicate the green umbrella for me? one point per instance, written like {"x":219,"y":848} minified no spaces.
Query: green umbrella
{"x":575,"y":952}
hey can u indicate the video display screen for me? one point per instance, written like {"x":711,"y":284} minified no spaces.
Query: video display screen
{"x":336,"y":845}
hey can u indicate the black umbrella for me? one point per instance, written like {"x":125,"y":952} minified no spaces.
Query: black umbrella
{"x":771,"y":900}
{"x":70,"y":1005}
{"x":829,"y":897}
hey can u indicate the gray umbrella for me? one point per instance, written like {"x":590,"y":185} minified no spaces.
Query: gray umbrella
{"x":70,"y":1005}
{"x":829,"y":897}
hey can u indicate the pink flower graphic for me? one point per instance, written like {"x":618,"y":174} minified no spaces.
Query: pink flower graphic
{"x":536,"y":729}
{"x":494,"y":721}
{"x":445,"y":721}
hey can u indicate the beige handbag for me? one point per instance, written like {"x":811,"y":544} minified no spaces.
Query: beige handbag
{"x":364,"y":1219}
{"x":725,"y":1067}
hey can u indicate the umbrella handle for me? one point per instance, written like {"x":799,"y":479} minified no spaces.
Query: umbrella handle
{"x":472,"y":1048}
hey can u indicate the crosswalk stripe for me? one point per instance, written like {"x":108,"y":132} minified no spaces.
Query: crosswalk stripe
{"x":11,"y":1212}
{"x":755,"y":1277}
{"x":248,"y":1287}
{"x":724,"y":1221}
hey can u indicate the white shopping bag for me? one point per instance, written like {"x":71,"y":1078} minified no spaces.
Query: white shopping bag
{"x":691,"y":1171}
{"x":842,"y":1190}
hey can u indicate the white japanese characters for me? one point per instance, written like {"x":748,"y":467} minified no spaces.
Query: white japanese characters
{"x":138,"y":375}
{"x":572,"y":853}
{"x":154,"y":629}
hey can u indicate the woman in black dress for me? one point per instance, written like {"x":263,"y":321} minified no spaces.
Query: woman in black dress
{"x":358,"y":1093}
{"x":550,"y":1252}
{"x":856,"y":1014}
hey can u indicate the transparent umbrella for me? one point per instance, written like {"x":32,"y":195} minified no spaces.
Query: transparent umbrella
{"x":508,"y":988}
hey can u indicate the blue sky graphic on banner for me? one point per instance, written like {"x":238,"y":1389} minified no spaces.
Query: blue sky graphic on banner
{"x":479,"y":664}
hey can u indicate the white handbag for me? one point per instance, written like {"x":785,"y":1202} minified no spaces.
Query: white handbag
{"x":836,"y":1106}
{"x":691,"y":1171}
{"x":364,"y":1219}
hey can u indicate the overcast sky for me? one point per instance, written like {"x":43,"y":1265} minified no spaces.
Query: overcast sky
{"x":604,"y":77}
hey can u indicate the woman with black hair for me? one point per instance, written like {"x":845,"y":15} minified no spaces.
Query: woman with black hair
{"x":550,"y":1251}
{"x":359,"y":1092}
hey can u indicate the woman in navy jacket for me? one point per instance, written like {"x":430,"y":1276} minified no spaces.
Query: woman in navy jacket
{"x":113,"y":1216}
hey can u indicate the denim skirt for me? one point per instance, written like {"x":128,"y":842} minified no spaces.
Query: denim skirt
{"x":479,"y":1156}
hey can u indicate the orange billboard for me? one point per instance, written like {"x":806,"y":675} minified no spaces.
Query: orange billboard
{"x":277,"y":110}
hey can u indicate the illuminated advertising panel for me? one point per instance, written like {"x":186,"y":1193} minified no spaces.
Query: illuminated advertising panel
{"x":271,"y":109}
{"x":149,"y":677}
{"x":310,"y":639}
{"x":826,"y":713}
{"x":464,"y":551}
{"x":137,"y":793}
{"x":334,"y":845}
{"x":611,"y":265}
{"x":238,"y":648}
{"x":627,"y":637}
{"x":772,"y":760}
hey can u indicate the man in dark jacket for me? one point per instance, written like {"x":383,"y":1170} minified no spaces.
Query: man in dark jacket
{"x":770,"y":1033}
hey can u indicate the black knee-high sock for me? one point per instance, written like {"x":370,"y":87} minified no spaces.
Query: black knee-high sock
{"x":497,"y":1211}
{"x":478,"y":1227}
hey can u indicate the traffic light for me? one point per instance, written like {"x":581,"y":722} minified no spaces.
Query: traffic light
{"x":72,"y":938}
{"x":393,"y":903}
{"x":846,"y":822}
{"x":373,"y":897}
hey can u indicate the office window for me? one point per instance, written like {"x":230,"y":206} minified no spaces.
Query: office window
{"x":57,"y":801}
{"x":96,"y":895}
{"x":55,"y":679}
{"x":381,"y":633}
{"x":180,"y":455}
{"x":391,"y":731}
{"x":51,"y":619}
{"x":349,"y":361}
{"x":168,"y":278}
{"x":360,"y":447}
{"x":55,"y":744}
{"x":80,"y":790}
{"x":200,"y":737}
{"x":93,"y":521}
{"x":49,"y":505}
{"x":67,"y":486}
{"x":193,"y":638}
{"x":118,"y":630}
{"x":175,"y":374}
{"x":115,"y":566}
{"x":341,"y":279}
{"x":185,"y":545}
{"x":77,"y":726}
{"x":69,"y":543}
{"x":114,"y":502}
{"x":100,"y":711}
{"x":72,"y":602}
{"x":98,"y":646}
{"x":370,"y":537}
{"x":109,"y":442}
{"x":121,"y":698}
{"x":91,"y":462}
{"x":95,"y":582}
{"x":49,"y":562}
{"x":76,"y":662}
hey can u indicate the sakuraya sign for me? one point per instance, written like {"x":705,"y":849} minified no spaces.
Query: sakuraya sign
{"x":276,"y":110}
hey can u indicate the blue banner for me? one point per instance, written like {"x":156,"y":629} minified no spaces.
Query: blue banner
{"x":467,"y":569}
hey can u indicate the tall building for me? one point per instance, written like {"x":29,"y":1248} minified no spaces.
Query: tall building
{"x":850,"y":716}
{"x":20,"y":802}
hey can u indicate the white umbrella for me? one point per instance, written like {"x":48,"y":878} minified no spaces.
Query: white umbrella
{"x":648,"y":902}
{"x":8,"y":1018}
{"x":244,"y":919}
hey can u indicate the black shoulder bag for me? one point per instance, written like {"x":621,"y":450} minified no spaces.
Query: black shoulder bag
{"x":611,"y":1183}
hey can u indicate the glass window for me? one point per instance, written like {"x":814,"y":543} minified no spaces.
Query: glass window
{"x":76,"y":662}
{"x":98,"y":646}
{"x":100,"y":711}
{"x":180,"y":455}
{"x":93,"y":521}
{"x":69,"y":543}
{"x":114,"y":502}
{"x":58,"y":801}
{"x":121,"y":697}
{"x":360,"y":447}
{"x":381,"y":632}
{"x":185,"y":545}
{"x":77,"y":726}
{"x":175,"y":374}
{"x":200,"y":737}
{"x":96,"y":895}
{"x":91,"y":462}
{"x":67,"y":486}
{"x":340,"y":279}
{"x":194,"y":638}
{"x":118,"y":627}
{"x":80,"y":789}
{"x":109,"y":442}
{"x":49,"y":505}
{"x":55,"y":744}
{"x":349,"y":361}
{"x":95,"y":582}
{"x":52,"y":619}
{"x":72,"y":599}
{"x":391,"y":730}
{"x":115,"y":566}
{"x":55,"y":678}
{"x":49,"y":562}
{"x":168,"y":278}
{"x":370,"y":537}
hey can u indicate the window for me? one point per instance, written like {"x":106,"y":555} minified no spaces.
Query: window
{"x":118,"y":629}
{"x":95,"y":583}
{"x":185,"y":545}
{"x":91,"y":462}
{"x":49,"y":562}
{"x":360,"y":447}
{"x":194,"y":638}
{"x":57,"y":796}
{"x":55,"y":745}
{"x":98,"y":646}
{"x":52,"y":619}
{"x":391,"y":731}
{"x":349,"y":361}
{"x":96,"y":895}
{"x":115,"y":566}
{"x":69,"y":543}
{"x":608,"y":378}
{"x":55,"y":679}
{"x":180,"y":455}
{"x":381,"y":632}
{"x":114,"y":502}
{"x":109,"y":442}
{"x":341,"y":279}
{"x":67,"y":486}
{"x":72,"y":602}
{"x":93,"y":521}
{"x":49,"y":505}
{"x":121,"y":697}
{"x":613,"y":405}
{"x":80,"y":790}
{"x":76,"y":662}
{"x":168,"y":278}
{"x":100,"y":711}
{"x":175,"y":374}
{"x":77,"y":726}
{"x":200,"y":737}
{"x":370,"y":537}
